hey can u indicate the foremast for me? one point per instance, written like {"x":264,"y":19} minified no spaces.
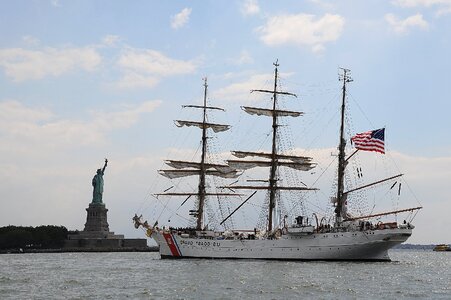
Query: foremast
{"x":202,"y":168}
{"x":275,"y":159}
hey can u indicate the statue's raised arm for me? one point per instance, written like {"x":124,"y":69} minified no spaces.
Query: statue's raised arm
{"x":104,"y":167}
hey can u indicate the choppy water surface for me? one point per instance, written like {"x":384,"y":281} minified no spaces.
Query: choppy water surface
{"x":414,"y":274}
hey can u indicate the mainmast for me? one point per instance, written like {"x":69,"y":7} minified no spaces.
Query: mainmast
{"x":201,"y":196}
{"x":273,"y":159}
{"x":202,"y":168}
{"x":341,"y":149}
{"x":273,"y":172}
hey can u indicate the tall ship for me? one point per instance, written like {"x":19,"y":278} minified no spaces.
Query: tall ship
{"x":284,"y":235}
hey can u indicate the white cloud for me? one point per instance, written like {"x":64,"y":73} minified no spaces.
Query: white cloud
{"x":323,"y":4}
{"x":30,"y":40}
{"x":403,"y":26}
{"x":111,"y":40}
{"x":11,"y":111}
{"x":443,"y":6}
{"x":56,"y":3}
{"x":250,"y":7}
{"x":20,"y":64}
{"x":244,"y":58}
{"x":302,"y":30}
{"x":145,"y":68}
{"x":22,"y":126}
{"x":124,"y":118}
{"x":240,"y":91}
{"x":179,"y":20}
{"x":134,"y":80}
{"x":154,"y":62}
{"x":425,"y":3}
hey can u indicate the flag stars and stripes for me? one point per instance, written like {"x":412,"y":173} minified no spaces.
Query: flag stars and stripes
{"x":372,"y":140}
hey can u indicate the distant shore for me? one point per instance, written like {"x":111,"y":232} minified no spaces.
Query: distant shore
{"x":415,"y":246}
{"x":68,"y":250}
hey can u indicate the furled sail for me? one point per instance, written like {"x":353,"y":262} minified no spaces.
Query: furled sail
{"x":298,"y":159}
{"x":265,"y":187}
{"x":178,"y":164}
{"x":249,"y":164}
{"x":245,"y":165}
{"x":270,"y":112}
{"x":203,"y":107}
{"x":195,"y":194}
{"x":298,"y":166}
{"x":172,"y":174}
{"x":215,"y":127}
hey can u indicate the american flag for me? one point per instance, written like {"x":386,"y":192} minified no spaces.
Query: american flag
{"x":370,"y":141}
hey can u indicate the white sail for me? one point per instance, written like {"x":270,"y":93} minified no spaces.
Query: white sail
{"x":298,"y":166}
{"x":203,"y":107}
{"x":265,"y":187}
{"x":298,"y":159}
{"x":214,"y":127}
{"x":245,"y":165}
{"x":178,"y":164}
{"x":269,"y":112}
{"x":172,"y":174}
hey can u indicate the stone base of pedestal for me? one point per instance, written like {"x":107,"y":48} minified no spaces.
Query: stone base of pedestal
{"x":97,"y":235}
{"x":96,"y":219}
{"x":104,"y":243}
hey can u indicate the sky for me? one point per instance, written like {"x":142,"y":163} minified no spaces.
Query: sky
{"x":81,"y":81}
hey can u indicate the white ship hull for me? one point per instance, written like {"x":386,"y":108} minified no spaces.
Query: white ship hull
{"x":370,"y":245}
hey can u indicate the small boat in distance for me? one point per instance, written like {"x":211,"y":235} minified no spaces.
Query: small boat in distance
{"x":284,"y":235}
{"x":442,"y":247}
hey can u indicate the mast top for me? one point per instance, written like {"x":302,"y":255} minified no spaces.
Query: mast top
{"x":276,"y":64}
{"x":345,"y":76}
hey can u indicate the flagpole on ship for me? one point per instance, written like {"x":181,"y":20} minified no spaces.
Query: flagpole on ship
{"x":341,"y":150}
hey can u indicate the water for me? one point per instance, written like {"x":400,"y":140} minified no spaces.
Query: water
{"x":414,"y":274}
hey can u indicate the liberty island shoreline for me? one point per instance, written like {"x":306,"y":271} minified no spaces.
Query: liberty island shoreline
{"x":75,"y":250}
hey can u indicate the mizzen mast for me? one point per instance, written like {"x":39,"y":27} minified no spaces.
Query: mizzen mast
{"x":345,"y":77}
{"x":342,"y":162}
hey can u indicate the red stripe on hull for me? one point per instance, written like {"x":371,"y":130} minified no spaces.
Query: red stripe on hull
{"x":171,"y":244}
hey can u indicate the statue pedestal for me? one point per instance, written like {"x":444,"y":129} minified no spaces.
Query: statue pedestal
{"x":97,"y":236}
{"x":96,"y":219}
{"x":96,"y":226}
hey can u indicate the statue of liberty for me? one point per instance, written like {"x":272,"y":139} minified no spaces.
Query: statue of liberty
{"x":97,"y":184}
